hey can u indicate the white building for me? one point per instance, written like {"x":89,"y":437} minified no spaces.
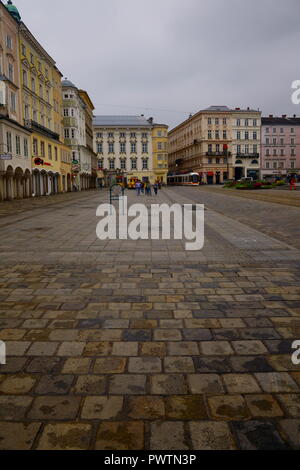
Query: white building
{"x":246,"y":132}
{"x":74,"y":113}
{"x":124,"y":146}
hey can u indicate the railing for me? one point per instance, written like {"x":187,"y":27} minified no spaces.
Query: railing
{"x":248,"y":155}
{"x":218,"y":154}
{"x":35,"y":126}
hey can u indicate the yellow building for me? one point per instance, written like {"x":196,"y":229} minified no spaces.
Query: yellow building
{"x":160,"y":152}
{"x":42,"y":98}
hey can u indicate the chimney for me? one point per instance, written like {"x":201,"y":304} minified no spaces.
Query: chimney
{"x":295,"y":115}
{"x":150,"y":120}
{"x":271,"y":116}
{"x":237,"y":109}
{"x":284,"y":116}
{"x":248,"y":109}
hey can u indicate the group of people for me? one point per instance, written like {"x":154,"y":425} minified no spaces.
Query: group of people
{"x":146,"y":188}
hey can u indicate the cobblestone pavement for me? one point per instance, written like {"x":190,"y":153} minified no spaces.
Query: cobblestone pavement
{"x":141,"y":345}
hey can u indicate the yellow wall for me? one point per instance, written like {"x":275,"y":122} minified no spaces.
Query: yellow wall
{"x":160,"y":149}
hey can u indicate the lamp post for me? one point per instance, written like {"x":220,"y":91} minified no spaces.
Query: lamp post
{"x":225,"y":147}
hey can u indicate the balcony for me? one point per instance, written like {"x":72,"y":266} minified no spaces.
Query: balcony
{"x":218,"y":154}
{"x":34,"y":126}
{"x":247,"y":155}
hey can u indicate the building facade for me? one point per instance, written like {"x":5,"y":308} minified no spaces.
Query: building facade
{"x":41,"y":112}
{"x":15,"y":139}
{"x":160,"y":152}
{"x":246,"y":131}
{"x":76,"y":133}
{"x":217,"y":143}
{"x":280,"y":146}
{"x":124,"y":147}
{"x":89,"y":108}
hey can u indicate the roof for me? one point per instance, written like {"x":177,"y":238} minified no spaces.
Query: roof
{"x":68,"y":84}
{"x":282,"y":121}
{"x":121,"y":121}
{"x":217,"y":108}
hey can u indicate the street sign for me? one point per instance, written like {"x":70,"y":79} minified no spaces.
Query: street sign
{"x":6,"y":156}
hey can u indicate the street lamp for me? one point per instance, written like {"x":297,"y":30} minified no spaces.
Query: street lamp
{"x":225,"y":147}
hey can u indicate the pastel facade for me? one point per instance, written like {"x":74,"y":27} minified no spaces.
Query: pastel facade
{"x":124,"y":147}
{"x":41,"y":112}
{"x":219,"y":143}
{"x":160,"y":152}
{"x":15,"y":139}
{"x":280,"y":146}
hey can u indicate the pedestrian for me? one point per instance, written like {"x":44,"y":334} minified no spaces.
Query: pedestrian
{"x":138,"y":188}
{"x":156,"y":186}
{"x":293,"y":184}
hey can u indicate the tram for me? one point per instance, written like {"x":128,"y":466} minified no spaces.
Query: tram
{"x":185,"y":179}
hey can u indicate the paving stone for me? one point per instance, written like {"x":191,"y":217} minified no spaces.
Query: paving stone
{"x":241,"y":383}
{"x":250,"y":364}
{"x":54,"y":408}
{"x":228,"y":408}
{"x":209,"y":435}
{"x":257,"y":435}
{"x":78,"y":365}
{"x":65,"y":436}
{"x":218,"y":365}
{"x":146,"y":407}
{"x":125,"y":349}
{"x":290,"y":403}
{"x":263,"y":406}
{"x":143,"y":324}
{"x":18,"y":436}
{"x":283,"y":363}
{"x":259,"y":333}
{"x":13,"y":365}
{"x":279,"y":346}
{"x":197,"y":334}
{"x":45,"y":365}
{"x":156,"y":349}
{"x":90,"y":385}
{"x":63,"y":335}
{"x":168,"y":385}
{"x":110,"y":365}
{"x":183,"y":348}
{"x":290,"y":429}
{"x":54,"y":385}
{"x":43,"y":349}
{"x":168,"y":436}
{"x":186,"y":407}
{"x":137,"y":335}
{"x":209,"y":384}
{"x":97,"y":349}
{"x":14,"y":408}
{"x":249,"y":347}
{"x":20,"y":384}
{"x":216,"y":348}
{"x":102,"y":407}
{"x":277,"y":382}
{"x":127,"y":385}
{"x":167,"y":335}
{"x":71,"y":349}
{"x":144,"y":365}
{"x":16,"y":348}
{"x":120,"y":436}
{"x":179,"y":364}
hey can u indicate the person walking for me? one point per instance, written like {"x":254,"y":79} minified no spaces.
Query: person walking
{"x":155,"y":187}
{"x":138,"y":188}
{"x":293,"y":184}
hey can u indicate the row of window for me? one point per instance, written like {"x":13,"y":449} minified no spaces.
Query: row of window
{"x":281,"y":141}
{"x":133,"y":147}
{"x":281,"y":152}
{"x":274,"y":130}
{"x":239,"y":122}
{"x":276,"y":165}
{"x":44,"y":96}
{"x":32,"y":61}
{"x":18,"y":151}
{"x":43,"y":150}
{"x":217,"y":161}
{"x":122,"y":135}
{"x":124,"y":164}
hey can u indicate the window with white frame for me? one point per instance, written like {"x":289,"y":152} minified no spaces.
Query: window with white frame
{"x":111,"y":147}
{"x":99,"y":147}
{"x":145,"y":164}
{"x":122,"y":147}
{"x":145,"y":147}
{"x":67,"y":133}
{"x":25,"y":147}
{"x":133,"y":164}
{"x":133,"y":147}
{"x":18,"y":145}
{"x":123,"y":164}
{"x":111,"y":164}
{"x":11,"y":72}
{"x":8,"y":41}
{"x":13,"y":102}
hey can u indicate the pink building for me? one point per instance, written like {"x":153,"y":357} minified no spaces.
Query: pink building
{"x":280,"y":146}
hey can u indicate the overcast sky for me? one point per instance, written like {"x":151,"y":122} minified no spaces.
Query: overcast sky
{"x":169,"y":58}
